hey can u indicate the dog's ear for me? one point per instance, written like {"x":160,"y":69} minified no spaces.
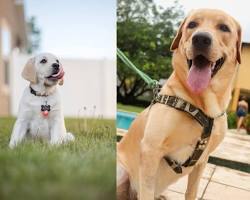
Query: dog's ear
{"x":178,"y":36}
{"x":29,"y":71}
{"x":61,"y":81}
{"x":238,"y":44}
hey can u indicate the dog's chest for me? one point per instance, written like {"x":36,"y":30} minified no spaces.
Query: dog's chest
{"x":39,"y":128}
{"x":40,"y":124}
{"x":183,"y":153}
{"x":186,"y":148}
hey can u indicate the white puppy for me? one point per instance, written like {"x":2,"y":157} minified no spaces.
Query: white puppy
{"x":40,"y":113}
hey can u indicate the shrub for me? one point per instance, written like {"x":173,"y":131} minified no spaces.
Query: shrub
{"x":232,"y":120}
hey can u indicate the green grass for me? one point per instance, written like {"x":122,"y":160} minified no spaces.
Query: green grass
{"x":129,"y":108}
{"x":84,"y":169}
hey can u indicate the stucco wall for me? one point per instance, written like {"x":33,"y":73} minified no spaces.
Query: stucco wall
{"x":11,"y":20}
{"x":242,"y":81}
{"x":243,"y":77}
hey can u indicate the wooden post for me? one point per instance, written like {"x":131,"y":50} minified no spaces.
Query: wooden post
{"x":235,"y":99}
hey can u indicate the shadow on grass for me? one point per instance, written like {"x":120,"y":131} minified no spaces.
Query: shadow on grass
{"x":84,"y":169}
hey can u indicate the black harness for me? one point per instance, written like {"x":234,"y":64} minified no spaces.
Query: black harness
{"x":205,"y":121}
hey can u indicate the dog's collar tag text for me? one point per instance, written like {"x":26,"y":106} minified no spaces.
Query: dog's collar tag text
{"x":45,"y":109}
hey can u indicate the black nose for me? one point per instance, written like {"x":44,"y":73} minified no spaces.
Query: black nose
{"x":55,"y":66}
{"x":202,"y":40}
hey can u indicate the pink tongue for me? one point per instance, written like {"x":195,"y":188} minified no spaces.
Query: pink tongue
{"x":198,"y":79}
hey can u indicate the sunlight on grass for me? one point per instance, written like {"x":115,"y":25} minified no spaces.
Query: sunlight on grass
{"x":129,"y":108}
{"x":84,"y":169}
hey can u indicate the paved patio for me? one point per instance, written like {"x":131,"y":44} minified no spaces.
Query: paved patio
{"x":235,"y":147}
{"x":217,"y":183}
{"x":220,"y":183}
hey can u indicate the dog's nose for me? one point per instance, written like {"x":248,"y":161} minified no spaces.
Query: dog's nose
{"x":55,"y":66}
{"x":202,"y":40}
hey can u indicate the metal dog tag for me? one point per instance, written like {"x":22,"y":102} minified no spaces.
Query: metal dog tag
{"x":45,"y":109}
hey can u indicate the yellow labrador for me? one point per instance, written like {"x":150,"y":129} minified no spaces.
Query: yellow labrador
{"x":206,"y":51}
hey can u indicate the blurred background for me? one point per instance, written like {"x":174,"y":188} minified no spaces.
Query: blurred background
{"x":81,"y":34}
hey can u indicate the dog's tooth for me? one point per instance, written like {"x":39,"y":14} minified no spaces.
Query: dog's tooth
{"x":213,"y":66}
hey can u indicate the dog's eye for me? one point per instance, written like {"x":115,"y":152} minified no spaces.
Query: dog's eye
{"x":224,"y":28}
{"x":57,"y":61}
{"x":192,"y":24}
{"x":43,"y":61}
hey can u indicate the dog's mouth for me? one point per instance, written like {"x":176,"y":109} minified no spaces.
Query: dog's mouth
{"x":56,"y":75}
{"x":201,"y":71}
{"x":201,"y":61}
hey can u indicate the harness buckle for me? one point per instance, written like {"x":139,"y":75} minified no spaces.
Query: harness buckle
{"x":202,"y":143}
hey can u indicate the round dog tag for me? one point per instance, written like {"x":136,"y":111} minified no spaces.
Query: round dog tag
{"x":45,"y":113}
{"x":45,"y":109}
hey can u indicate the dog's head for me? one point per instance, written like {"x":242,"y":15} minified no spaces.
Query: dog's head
{"x":44,"y":69}
{"x":210,"y":43}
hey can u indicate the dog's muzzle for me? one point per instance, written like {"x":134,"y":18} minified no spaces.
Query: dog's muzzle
{"x":202,"y":61}
{"x":201,"y":68}
{"x":57,"y":72}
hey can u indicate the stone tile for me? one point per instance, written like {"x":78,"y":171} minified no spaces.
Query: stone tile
{"x":241,"y":131}
{"x":208,"y":171}
{"x":232,"y":177}
{"x":216,"y":191}
{"x":181,"y":185}
{"x":234,"y":147}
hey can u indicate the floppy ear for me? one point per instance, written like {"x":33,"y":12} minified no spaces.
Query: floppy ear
{"x":61,"y":81}
{"x":238,"y":45}
{"x":29,"y":71}
{"x":177,"y":38}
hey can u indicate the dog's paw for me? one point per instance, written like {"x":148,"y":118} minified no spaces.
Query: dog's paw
{"x":55,"y":142}
{"x":12,"y":144}
{"x":69,"y":137}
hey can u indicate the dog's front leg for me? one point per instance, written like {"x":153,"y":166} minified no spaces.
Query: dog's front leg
{"x":18,"y":133}
{"x":57,"y":132}
{"x":194,"y":180}
{"x":149,"y":162}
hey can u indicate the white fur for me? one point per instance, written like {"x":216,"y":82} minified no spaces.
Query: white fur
{"x":30,"y":121}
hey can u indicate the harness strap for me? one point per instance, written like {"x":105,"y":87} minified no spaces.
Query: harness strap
{"x":205,"y":121}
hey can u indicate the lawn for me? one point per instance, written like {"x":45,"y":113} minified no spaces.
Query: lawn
{"x":84,"y":169}
{"x":129,"y":108}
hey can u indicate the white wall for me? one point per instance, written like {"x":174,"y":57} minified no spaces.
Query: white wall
{"x":87,"y":83}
